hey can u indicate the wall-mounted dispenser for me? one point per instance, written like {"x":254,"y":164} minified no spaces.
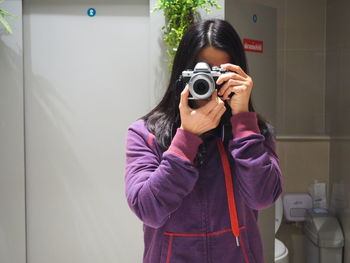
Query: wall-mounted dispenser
{"x":295,"y":206}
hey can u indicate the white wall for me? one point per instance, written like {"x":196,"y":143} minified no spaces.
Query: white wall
{"x":12,"y":179}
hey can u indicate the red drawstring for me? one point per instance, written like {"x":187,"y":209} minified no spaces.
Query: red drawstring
{"x":231,"y":198}
{"x":229,"y":190}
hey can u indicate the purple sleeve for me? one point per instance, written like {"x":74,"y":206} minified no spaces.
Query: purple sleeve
{"x":156,"y":185}
{"x":256,"y":164}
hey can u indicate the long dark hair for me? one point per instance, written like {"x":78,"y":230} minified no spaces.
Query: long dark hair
{"x":164,"y":119}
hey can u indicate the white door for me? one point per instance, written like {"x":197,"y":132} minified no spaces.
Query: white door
{"x":86,"y":78}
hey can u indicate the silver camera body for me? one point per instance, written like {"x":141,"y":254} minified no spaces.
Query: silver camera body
{"x":202,"y":80}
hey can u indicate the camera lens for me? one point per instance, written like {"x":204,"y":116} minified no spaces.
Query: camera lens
{"x":201,"y":86}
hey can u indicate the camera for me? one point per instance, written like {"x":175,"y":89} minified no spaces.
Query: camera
{"x":202,"y":80}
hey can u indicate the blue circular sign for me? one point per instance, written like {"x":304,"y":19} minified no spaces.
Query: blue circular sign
{"x":91,"y":12}
{"x":255,"y":18}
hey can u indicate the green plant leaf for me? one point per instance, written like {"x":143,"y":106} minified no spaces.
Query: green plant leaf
{"x":5,"y":13}
{"x":179,"y":15}
{"x":5,"y":24}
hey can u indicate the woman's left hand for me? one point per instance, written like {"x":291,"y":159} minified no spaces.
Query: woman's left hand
{"x":237,"y":82}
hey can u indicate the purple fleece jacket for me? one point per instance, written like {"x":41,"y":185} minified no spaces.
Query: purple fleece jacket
{"x":184,"y":209}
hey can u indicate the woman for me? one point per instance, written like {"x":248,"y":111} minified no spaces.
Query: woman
{"x":198,"y":171}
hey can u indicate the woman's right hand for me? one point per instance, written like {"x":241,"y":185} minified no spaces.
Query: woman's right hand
{"x":203,"y":119}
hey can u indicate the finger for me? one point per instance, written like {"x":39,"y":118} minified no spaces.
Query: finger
{"x":219,"y":113}
{"x":229,"y":83}
{"x":219,"y":104}
{"x":227,"y":93}
{"x":214,"y":96}
{"x":184,"y":97}
{"x":235,"y":68}
{"x":235,"y":90}
{"x":211,"y":104}
{"x":217,"y":109}
{"x":226,"y":76}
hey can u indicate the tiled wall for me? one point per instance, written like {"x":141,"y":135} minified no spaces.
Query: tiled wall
{"x":302,"y":161}
{"x":338,"y":111}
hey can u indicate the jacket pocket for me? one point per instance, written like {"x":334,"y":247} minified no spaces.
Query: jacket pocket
{"x":178,"y":248}
{"x":223,"y":248}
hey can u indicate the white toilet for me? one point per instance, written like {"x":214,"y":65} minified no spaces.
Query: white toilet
{"x":281,"y":251}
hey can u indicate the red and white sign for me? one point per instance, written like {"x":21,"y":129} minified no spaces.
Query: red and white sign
{"x":253,"y":45}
